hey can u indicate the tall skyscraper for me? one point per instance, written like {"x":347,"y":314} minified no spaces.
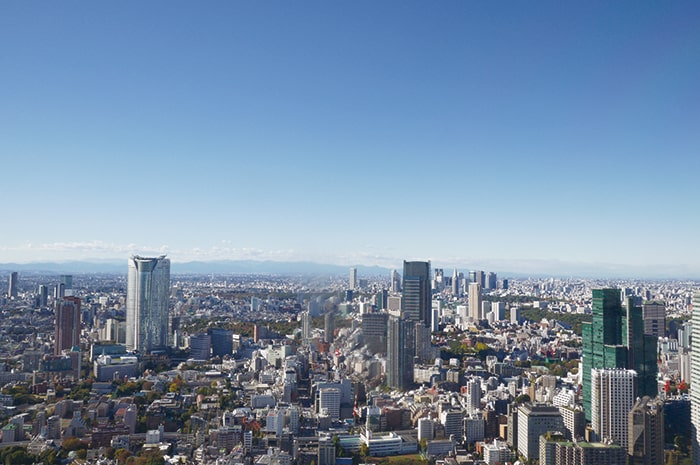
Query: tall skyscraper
{"x":475,"y":301}
{"x":148,"y":289}
{"x":43,"y":297}
{"x":401,"y":337}
{"x":654,"y":314}
{"x":417,"y":297}
{"x":66,"y":281}
{"x":12,"y":288}
{"x":374,"y":331}
{"x":612,"y":398}
{"x":695,"y":379}
{"x":67,"y":332}
{"x":455,"y":283}
{"x":353,"y":279}
{"x":646,"y":432}
{"x":490,"y":280}
{"x":395,"y":281}
{"x":614,"y":338}
{"x":305,"y":326}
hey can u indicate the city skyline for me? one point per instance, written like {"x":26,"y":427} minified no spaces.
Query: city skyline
{"x":544,"y":138}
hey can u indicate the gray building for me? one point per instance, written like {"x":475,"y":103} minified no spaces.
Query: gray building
{"x":148,"y":290}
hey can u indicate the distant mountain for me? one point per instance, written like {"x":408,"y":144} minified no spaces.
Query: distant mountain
{"x":197,"y":267}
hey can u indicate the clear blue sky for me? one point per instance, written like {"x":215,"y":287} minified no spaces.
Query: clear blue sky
{"x":352,"y":132}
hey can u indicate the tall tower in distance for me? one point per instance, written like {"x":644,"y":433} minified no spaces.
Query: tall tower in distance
{"x":400,"y":347}
{"x":475,"y":301}
{"x":417,"y":296}
{"x":67,"y":324}
{"x":12,"y":288}
{"x":353,"y":279}
{"x":148,"y":289}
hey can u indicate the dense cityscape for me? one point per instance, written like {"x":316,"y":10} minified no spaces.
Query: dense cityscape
{"x":422,"y":365}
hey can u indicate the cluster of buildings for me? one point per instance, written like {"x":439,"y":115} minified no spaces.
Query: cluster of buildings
{"x":443,"y":366}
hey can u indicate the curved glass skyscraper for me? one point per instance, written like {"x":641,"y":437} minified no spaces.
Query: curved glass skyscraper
{"x":148,"y":290}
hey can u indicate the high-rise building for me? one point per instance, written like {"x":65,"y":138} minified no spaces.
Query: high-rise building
{"x":12,"y":288}
{"x":200,"y":346}
{"x":374,"y":331}
{"x":612,"y":398}
{"x":353,"y":279}
{"x":475,"y":301}
{"x":401,"y":337}
{"x":148,"y":289}
{"x":43,"y":297}
{"x":329,"y":326}
{"x":221,"y":342}
{"x":533,"y":421}
{"x":305,"y":326}
{"x":455,"y":283}
{"x":614,"y":338}
{"x":695,"y":379}
{"x":67,"y":324}
{"x":417,"y":297}
{"x":395,"y":281}
{"x":646,"y":432}
{"x":654,"y":314}
{"x":66,"y":281}
{"x":490,"y":280}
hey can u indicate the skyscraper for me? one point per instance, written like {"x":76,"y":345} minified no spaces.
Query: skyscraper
{"x":455,"y":283}
{"x":416,"y":303}
{"x":148,"y":289}
{"x":646,"y":432}
{"x":67,"y":332}
{"x":475,"y":301}
{"x":695,"y":379}
{"x":654,"y":314}
{"x":401,"y":337}
{"x":353,"y":279}
{"x":12,"y":288}
{"x":612,"y":399}
{"x":614,"y":338}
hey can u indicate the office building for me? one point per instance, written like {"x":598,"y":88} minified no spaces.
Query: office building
{"x":695,"y":379}
{"x":306,"y":326}
{"x":43,"y":297}
{"x":326,"y":451}
{"x":417,"y":296}
{"x":329,"y":326}
{"x":614,"y":338}
{"x":612,"y":398}
{"x":329,"y":402}
{"x":646,"y":432}
{"x":395,"y":281}
{"x":475,"y":301}
{"x":67,"y":332}
{"x":221,"y":342}
{"x":533,"y":421}
{"x":12,"y":288}
{"x":353,"y":283}
{"x":557,"y":450}
{"x":490,"y":281}
{"x":148,"y":289}
{"x":200,"y":346}
{"x":374,"y":331}
{"x":401,"y":336}
{"x":654,"y":314}
{"x":66,"y":283}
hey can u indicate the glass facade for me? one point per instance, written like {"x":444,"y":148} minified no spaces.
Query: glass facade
{"x":147,"y":304}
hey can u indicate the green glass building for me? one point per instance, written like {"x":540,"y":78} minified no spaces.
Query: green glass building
{"x":615,"y":338}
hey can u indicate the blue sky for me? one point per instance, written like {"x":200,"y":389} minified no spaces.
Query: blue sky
{"x":468,"y":133}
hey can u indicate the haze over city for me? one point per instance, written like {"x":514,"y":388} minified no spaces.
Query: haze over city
{"x":533,"y":137}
